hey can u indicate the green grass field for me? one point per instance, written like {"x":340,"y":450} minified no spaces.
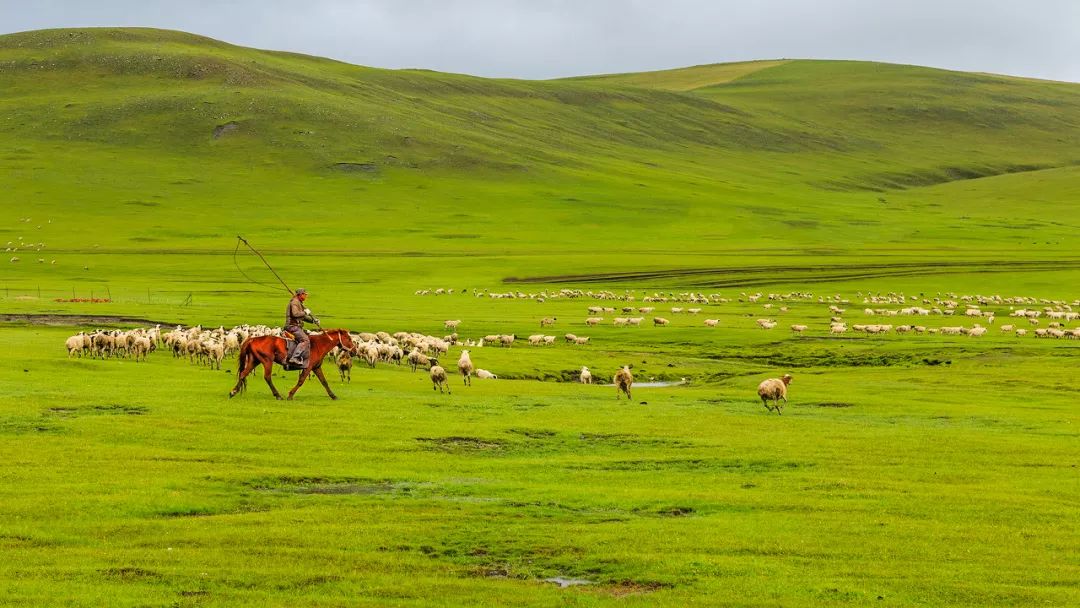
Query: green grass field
{"x":906,"y":470}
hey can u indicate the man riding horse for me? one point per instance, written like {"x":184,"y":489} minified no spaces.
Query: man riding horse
{"x":295,"y":315}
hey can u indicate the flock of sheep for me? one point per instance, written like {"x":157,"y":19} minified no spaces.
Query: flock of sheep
{"x":211,"y":346}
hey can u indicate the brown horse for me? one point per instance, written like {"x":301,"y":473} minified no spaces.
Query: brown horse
{"x":269,"y":350}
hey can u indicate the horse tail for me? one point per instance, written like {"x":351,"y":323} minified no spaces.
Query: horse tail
{"x":241,"y":364}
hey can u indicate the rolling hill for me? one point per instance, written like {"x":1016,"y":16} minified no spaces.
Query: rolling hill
{"x":139,"y":129}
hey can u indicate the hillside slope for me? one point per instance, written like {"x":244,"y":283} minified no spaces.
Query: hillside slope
{"x":140,"y":128}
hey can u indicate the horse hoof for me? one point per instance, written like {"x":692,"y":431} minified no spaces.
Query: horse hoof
{"x":334,"y":397}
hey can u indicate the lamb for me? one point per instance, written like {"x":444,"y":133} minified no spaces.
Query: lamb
{"x":623,"y":379}
{"x":438,"y":379}
{"x":775,"y":389}
{"x":465,"y":367}
{"x":658,"y":321}
{"x":484,"y":374}
{"x":585,"y":376}
{"x":344,"y":365}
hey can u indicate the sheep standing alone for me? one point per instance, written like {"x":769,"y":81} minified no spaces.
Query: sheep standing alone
{"x":438,"y":379}
{"x":623,"y":380}
{"x":344,"y":365}
{"x":465,"y":366}
{"x":586,"y":375}
{"x":775,"y":389}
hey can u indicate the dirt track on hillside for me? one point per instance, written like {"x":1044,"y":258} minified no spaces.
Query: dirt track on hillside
{"x":773,"y":275}
{"x":60,"y":320}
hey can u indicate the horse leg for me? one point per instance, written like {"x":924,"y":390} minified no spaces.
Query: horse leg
{"x":242,"y":377}
{"x":303,"y":377}
{"x":326,"y":385}
{"x":268,"y":369}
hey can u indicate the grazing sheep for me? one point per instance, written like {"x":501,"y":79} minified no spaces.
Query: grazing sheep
{"x":465,"y":367}
{"x":548,"y":321}
{"x":344,"y":365}
{"x":775,"y":389}
{"x":593,"y":320}
{"x":438,"y":379}
{"x":507,"y":341}
{"x":658,"y":321}
{"x":585,"y":376}
{"x":623,"y":379}
{"x":712,"y":322}
{"x":484,"y":374}
{"x":452,"y":324}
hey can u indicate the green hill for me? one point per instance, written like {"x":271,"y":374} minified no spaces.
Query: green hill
{"x":144,"y":127}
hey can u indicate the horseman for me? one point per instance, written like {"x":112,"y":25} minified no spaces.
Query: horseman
{"x":295,"y":315}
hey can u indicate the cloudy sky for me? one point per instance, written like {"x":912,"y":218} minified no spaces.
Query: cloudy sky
{"x":552,"y":38}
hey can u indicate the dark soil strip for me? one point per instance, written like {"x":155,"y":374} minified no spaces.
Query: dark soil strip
{"x":766,"y":275}
{"x":104,"y":320}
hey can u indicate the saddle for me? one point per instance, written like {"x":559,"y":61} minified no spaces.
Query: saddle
{"x":290,"y":348}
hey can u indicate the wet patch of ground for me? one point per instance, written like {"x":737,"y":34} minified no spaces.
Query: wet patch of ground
{"x":80,"y":320}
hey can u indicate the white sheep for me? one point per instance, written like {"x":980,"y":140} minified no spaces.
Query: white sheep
{"x":484,"y":374}
{"x":465,"y":367}
{"x":798,"y":328}
{"x":586,"y":376}
{"x":774,"y":389}
{"x":438,"y":379}
{"x":712,"y":322}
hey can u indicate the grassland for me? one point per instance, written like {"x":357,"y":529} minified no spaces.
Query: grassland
{"x":907,"y":471}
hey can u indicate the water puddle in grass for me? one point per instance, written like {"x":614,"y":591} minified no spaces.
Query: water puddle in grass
{"x":564,"y":582}
{"x":658,"y":383}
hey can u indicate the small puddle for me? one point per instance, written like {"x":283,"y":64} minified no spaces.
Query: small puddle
{"x":564,"y":582}
{"x":658,"y":384}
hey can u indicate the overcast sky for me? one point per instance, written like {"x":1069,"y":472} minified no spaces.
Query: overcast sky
{"x":552,"y":38}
